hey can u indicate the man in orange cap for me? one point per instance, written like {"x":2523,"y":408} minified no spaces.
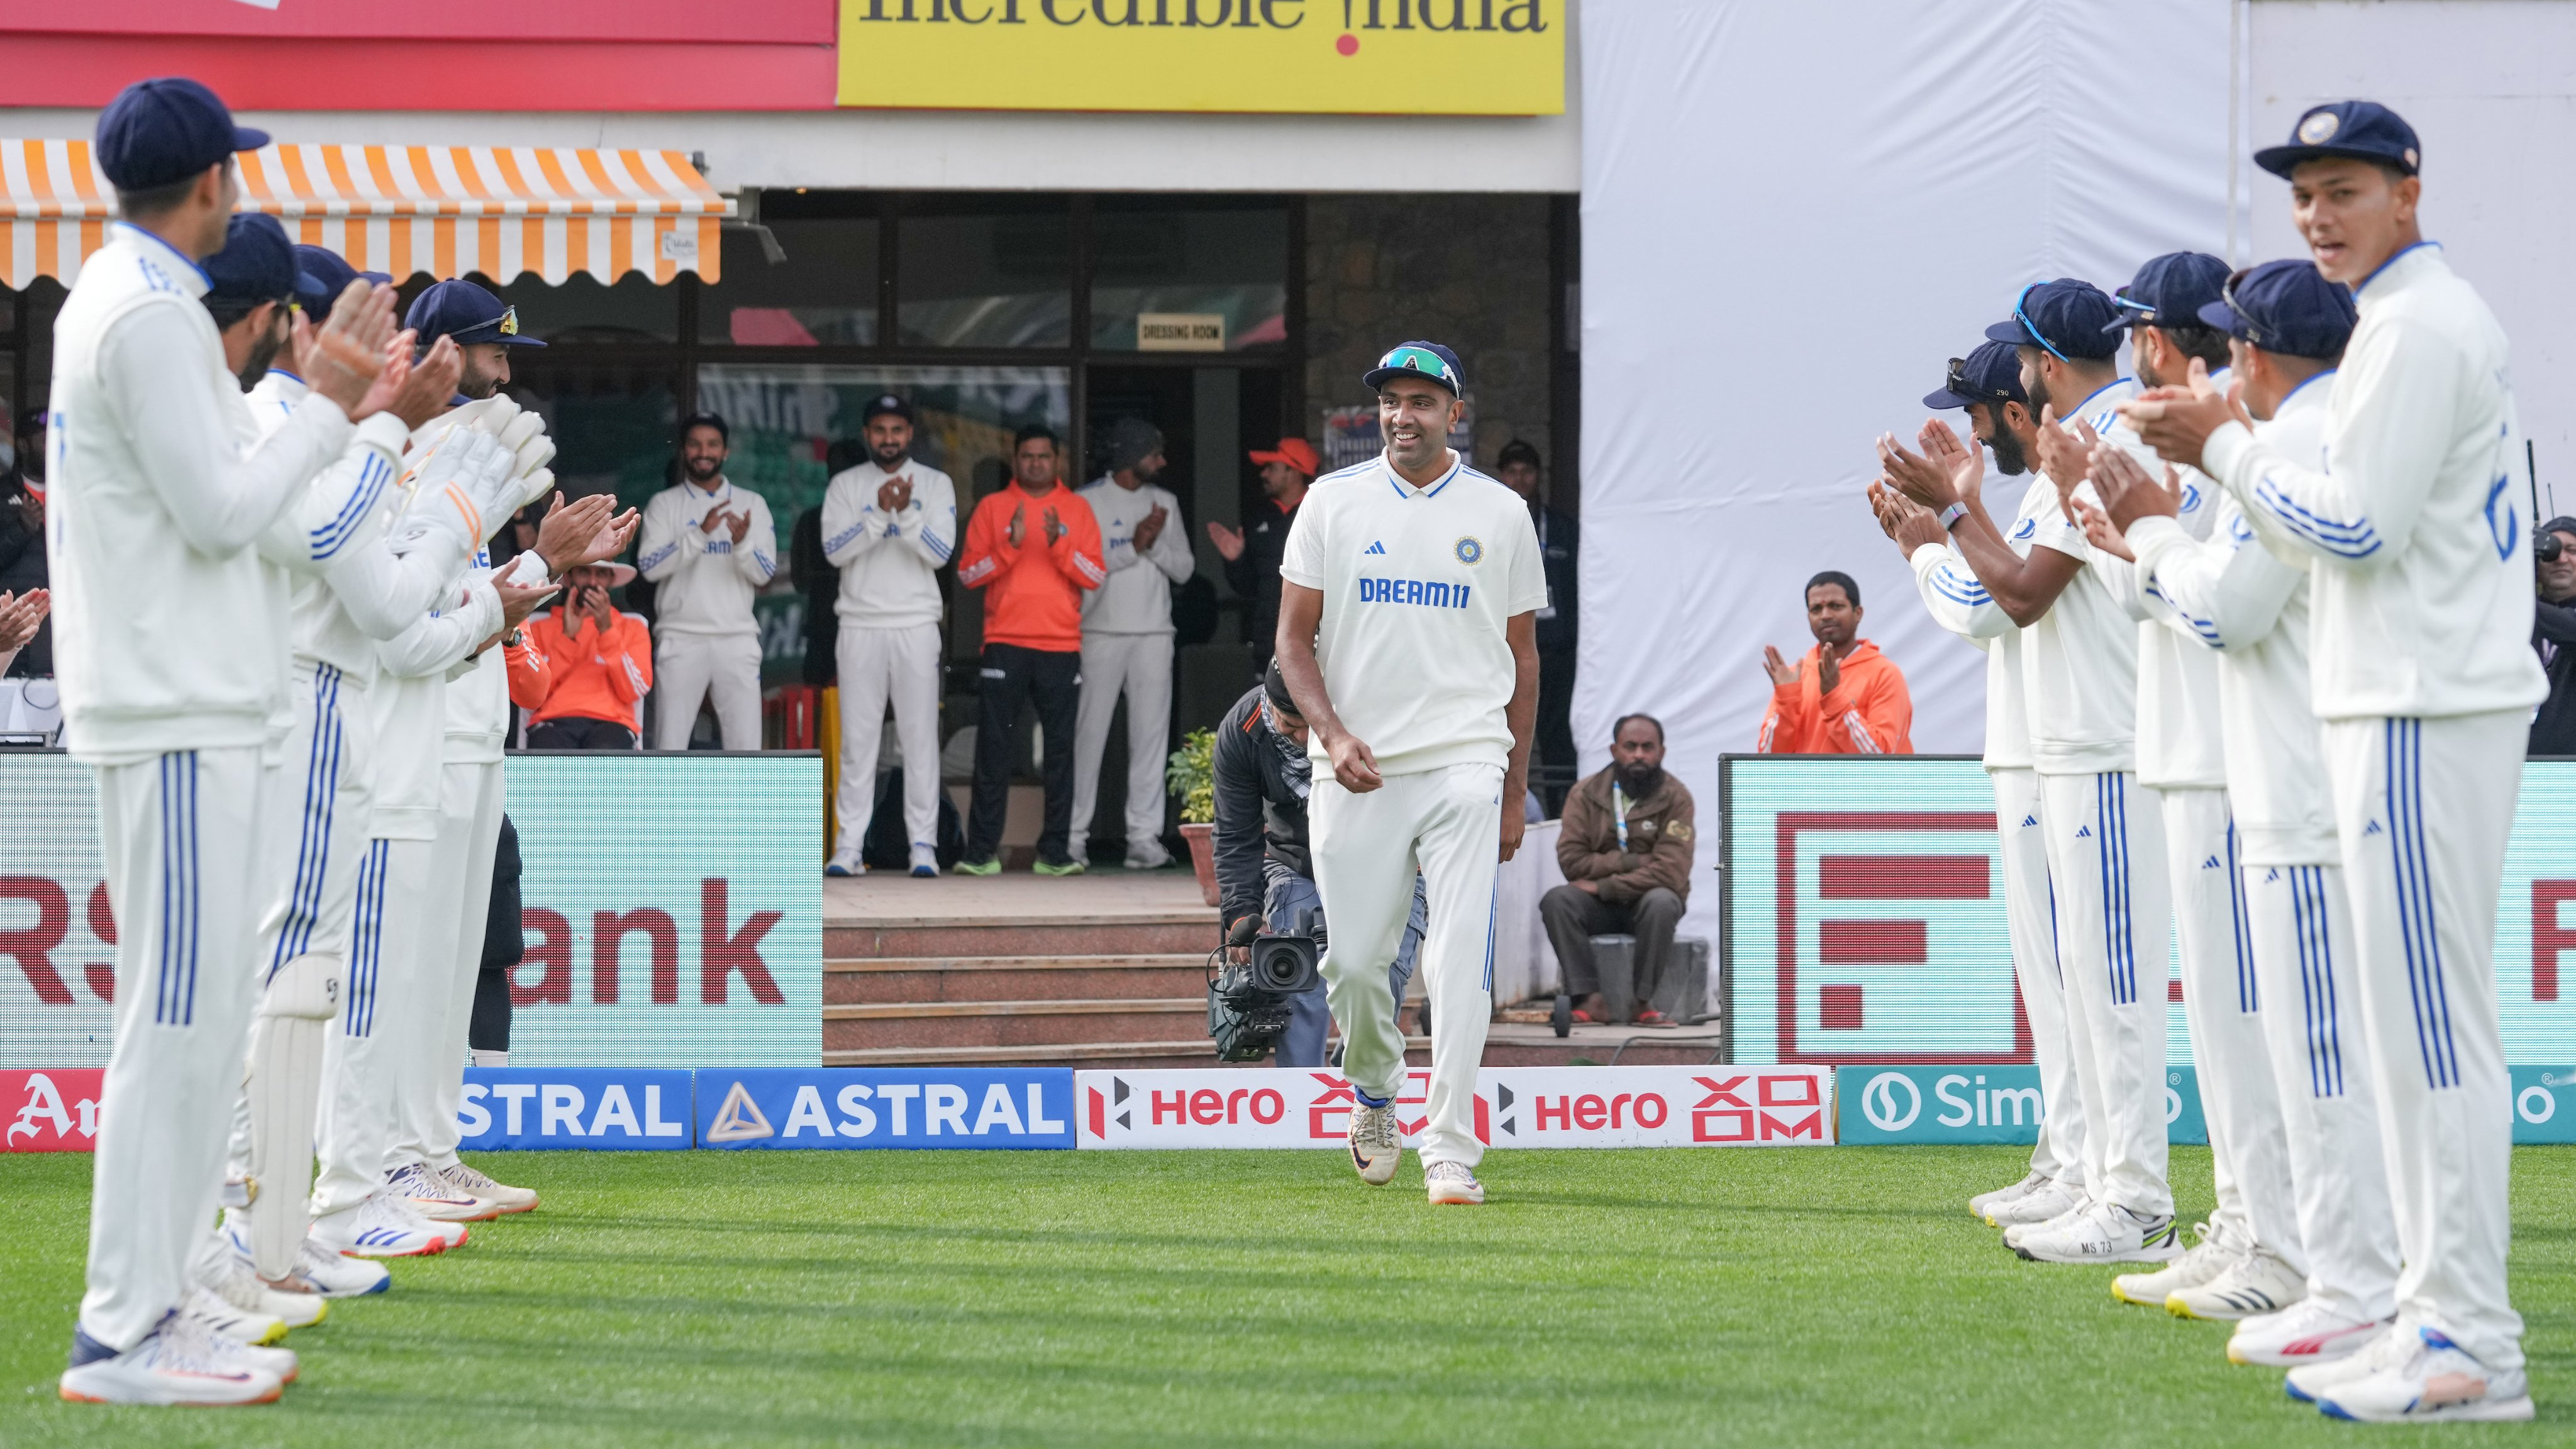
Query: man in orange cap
{"x":1252,"y":552}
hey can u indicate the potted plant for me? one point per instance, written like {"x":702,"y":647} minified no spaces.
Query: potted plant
{"x":1191,"y":774}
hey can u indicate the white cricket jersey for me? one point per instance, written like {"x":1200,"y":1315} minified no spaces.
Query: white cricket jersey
{"x":2417,"y":523}
{"x":1135,"y":599}
{"x":478,"y":695}
{"x":411,"y":705}
{"x":889,"y":562}
{"x":1961,"y":605}
{"x":1419,"y":587}
{"x":704,"y":582}
{"x":165,"y":628}
{"x":2178,"y":732}
{"x":2251,"y":607}
{"x":2080,"y":659}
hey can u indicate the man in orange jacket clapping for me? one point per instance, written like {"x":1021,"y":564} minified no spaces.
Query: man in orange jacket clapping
{"x":581,"y":668}
{"x":1844,"y":698}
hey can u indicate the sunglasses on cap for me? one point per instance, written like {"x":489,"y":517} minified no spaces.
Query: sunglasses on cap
{"x":1956,"y":380}
{"x":2227,"y":294}
{"x":1414,"y":359}
{"x":2031,"y":327}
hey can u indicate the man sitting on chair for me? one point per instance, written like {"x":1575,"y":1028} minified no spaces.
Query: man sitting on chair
{"x":1626,"y":848}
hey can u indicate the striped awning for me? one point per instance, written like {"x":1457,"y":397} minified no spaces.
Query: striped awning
{"x":441,"y":210}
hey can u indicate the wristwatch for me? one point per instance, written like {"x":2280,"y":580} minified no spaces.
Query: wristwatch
{"x":514,"y":639}
{"x":1951,"y":515}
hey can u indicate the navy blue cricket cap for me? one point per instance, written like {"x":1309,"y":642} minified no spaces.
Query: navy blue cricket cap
{"x":2287,"y":307}
{"x":165,"y":130}
{"x":2066,"y":318}
{"x":257,"y":263}
{"x":1426,"y":360}
{"x":460,"y":309}
{"x":2364,"y":130}
{"x":324,"y":276}
{"x":2169,"y":291}
{"x":887,"y":405}
{"x":1990,"y":375}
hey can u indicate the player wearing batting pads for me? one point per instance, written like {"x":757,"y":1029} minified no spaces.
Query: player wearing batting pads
{"x":1407,"y":635}
{"x":2421,"y":608}
{"x":167,"y":694}
{"x":2250,"y":605}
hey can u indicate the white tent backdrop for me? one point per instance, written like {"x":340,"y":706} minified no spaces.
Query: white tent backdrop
{"x":1792,"y":215}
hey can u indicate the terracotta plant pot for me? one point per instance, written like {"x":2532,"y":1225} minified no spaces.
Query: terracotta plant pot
{"x":1202,"y":839}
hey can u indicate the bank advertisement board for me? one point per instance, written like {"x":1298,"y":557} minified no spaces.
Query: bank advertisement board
{"x":670,"y":920}
{"x":1863,"y":915}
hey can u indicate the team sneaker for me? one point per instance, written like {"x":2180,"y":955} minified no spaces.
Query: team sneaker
{"x":2207,"y":1259}
{"x":435,"y":1198}
{"x":1451,"y":1182}
{"x":2427,"y":1379}
{"x":2082,"y":1204}
{"x":235,"y":1281}
{"x":1977,"y":1205}
{"x":1147,"y":855}
{"x":2045,"y":1203}
{"x":379,"y":1227}
{"x":2305,"y":1335}
{"x":2256,"y":1283}
{"x":846,"y":863}
{"x":2108,"y":1233}
{"x":226,"y":1320}
{"x":1376,"y":1146}
{"x":507,"y":1199}
{"x":1049,"y":867}
{"x":179,"y":1362}
{"x":453,"y":1232}
{"x":925,"y":859}
{"x":978,"y":867}
{"x":318,"y":1270}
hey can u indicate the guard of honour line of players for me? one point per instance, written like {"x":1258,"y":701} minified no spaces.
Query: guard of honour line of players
{"x":2279,"y":579}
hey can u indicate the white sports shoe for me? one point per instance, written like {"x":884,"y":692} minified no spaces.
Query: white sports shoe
{"x":1376,"y":1147}
{"x":1147,"y":855}
{"x":226,"y":1323}
{"x":2303,"y":1335}
{"x":453,"y":1232}
{"x":435,"y":1198}
{"x":2256,"y":1283}
{"x":2207,"y":1258}
{"x":2078,"y":1207}
{"x":379,"y":1228}
{"x":925,"y":859}
{"x":319,"y":1270}
{"x":179,"y":1362}
{"x":2107,"y":1233}
{"x":846,"y":862}
{"x":1977,"y":1205}
{"x":507,"y":1198}
{"x":232,"y":1278}
{"x":2045,"y":1203}
{"x":241,"y":1325}
{"x":1451,"y":1182}
{"x":2429,"y":1379}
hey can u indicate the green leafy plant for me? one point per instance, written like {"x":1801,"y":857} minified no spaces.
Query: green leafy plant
{"x":1192,"y":776}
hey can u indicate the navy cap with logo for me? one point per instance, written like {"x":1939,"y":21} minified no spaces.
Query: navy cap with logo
{"x":257,"y":263}
{"x":2169,"y":291}
{"x":1426,"y":360}
{"x":460,"y":309}
{"x":165,"y":130}
{"x":2363,"y":130}
{"x":1991,"y":374}
{"x":323,"y":275}
{"x":2287,"y":307}
{"x":887,"y":404}
{"x":2065,"y":318}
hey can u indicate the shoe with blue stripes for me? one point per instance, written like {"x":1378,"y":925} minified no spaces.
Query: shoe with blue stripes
{"x":925,"y":859}
{"x":845,"y":863}
{"x":378,"y":1228}
{"x":2425,"y":1378}
{"x":318,"y":1270}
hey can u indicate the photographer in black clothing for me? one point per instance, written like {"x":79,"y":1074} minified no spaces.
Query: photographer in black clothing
{"x":1262,"y":777}
{"x":2553,"y":635}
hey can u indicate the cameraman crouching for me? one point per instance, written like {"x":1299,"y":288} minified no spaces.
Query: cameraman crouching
{"x":1262,"y":865}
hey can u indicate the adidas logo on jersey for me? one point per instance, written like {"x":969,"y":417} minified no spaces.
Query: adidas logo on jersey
{"x":1375,"y":548}
{"x":2371,"y":829}
{"x":2210,"y":864}
{"x":2028,"y":821}
{"x":2084,"y":832}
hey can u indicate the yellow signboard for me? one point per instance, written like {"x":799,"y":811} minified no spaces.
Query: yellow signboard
{"x":1362,"y":57}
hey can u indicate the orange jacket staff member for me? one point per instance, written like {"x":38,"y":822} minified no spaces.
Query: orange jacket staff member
{"x":581,"y":667}
{"x":1844,"y":698}
{"x":1032,"y":548}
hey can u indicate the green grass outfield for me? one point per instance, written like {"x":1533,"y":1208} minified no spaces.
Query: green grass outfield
{"x":1764,"y":1296}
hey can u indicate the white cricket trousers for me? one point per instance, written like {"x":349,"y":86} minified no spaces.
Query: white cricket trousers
{"x":879,"y":666}
{"x":178,"y":833}
{"x":2423,"y":808}
{"x":2222,"y":1005}
{"x":381,"y":1011}
{"x":1141,"y":666}
{"x":687,"y":668}
{"x":2030,"y":926}
{"x":1447,"y":822}
{"x":429,"y":1084}
{"x":2320,"y":1059}
{"x":2106,"y":860}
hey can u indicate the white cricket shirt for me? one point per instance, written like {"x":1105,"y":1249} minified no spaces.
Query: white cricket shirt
{"x":1419,"y":586}
{"x":2080,"y":659}
{"x":704,"y":582}
{"x":2178,"y":733}
{"x":1136,"y":598}
{"x":1961,"y":605}
{"x":889,"y":562}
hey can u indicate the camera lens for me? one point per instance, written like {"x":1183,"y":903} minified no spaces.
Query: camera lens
{"x":2547,"y":547}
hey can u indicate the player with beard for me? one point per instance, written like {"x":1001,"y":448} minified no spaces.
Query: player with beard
{"x":1127,"y":638}
{"x":708,"y":546}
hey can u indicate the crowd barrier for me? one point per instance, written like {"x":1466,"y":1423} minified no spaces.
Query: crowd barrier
{"x":834,"y":1109}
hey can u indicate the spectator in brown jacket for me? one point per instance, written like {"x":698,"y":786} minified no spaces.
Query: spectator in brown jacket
{"x":1626,"y":848}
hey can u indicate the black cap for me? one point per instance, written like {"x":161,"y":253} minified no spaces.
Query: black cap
{"x":2287,"y":307}
{"x":2065,"y":318}
{"x":1426,"y":360}
{"x":2169,"y":291}
{"x":257,"y":263}
{"x":166,"y":130}
{"x":1518,"y":450}
{"x":460,"y":309}
{"x":885,"y":404}
{"x":1989,"y":375}
{"x":1274,"y":685}
{"x":2363,"y":130}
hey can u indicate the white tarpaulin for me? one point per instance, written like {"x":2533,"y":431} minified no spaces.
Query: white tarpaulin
{"x":1792,"y":216}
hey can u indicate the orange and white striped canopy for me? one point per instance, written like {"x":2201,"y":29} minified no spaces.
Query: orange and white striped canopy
{"x":443,"y":210}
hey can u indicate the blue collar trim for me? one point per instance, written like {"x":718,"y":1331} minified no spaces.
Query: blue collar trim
{"x":183,"y":258}
{"x":2400,"y":255}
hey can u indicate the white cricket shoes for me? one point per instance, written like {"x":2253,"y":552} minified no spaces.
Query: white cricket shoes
{"x":1376,"y":1146}
{"x":180,"y":1362}
{"x":435,"y":1198}
{"x":232,"y":1278}
{"x":1147,"y":855}
{"x":2045,"y":1203}
{"x":925,"y":859}
{"x":2256,"y":1283}
{"x":319,"y":1271}
{"x":381,"y":1227}
{"x":503,"y":1197}
{"x":845,"y":863}
{"x":2104,"y":1233}
{"x":454,"y":1233}
{"x":1453,"y":1183}
{"x":2305,"y":1335}
{"x":2425,"y":1378}
{"x":1977,"y":1205}
{"x":225,"y":1320}
{"x":2206,"y":1259}
{"x":2078,"y":1207}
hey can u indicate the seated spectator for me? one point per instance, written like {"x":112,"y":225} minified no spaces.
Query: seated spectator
{"x":1844,"y":698}
{"x":2553,"y":635}
{"x":20,"y":618}
{"x":581,"y":668}
{"x":1626,"y":849}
